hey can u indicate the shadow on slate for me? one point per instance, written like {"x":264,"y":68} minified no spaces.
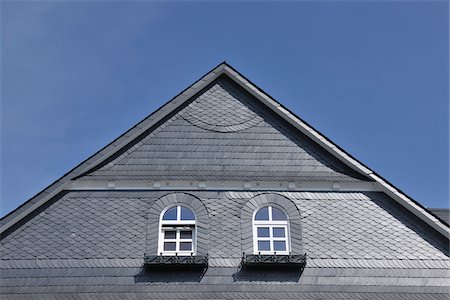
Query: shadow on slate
{"x":282,"y":273}
{"x":170,"y":274}
{"x":411,"y":221}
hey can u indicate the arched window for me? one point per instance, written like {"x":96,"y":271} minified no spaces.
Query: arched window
{"x":270,"y":231}
{"x":177,"y":231}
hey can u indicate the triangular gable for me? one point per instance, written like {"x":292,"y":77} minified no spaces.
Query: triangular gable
{"x":224,"y":134}
{"x":153,"y":120}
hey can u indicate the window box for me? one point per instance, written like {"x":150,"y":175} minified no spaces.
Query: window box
{"x":298,"y":260}
{"x":176,"y":260}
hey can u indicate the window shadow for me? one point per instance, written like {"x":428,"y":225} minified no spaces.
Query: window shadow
{"x":411,"y":221}
{"x":282,"y":273}
{"x":170,"y":274}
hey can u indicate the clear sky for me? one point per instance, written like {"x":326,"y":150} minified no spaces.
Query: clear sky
{"x":371,"y":76}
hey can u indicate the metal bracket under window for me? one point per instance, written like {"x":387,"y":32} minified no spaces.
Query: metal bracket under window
{"x":176,"y":260}
{"x":298,"y":260}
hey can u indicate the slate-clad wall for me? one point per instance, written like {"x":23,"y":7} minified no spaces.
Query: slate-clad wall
{"x":225,"y":134}
{"x":114,"y":225}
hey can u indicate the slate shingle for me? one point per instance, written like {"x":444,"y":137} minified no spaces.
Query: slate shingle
{"x":335,"y":225}
{"x":92,"y":243}
{"x":225,"y":134}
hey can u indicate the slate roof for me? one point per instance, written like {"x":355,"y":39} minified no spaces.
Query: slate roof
{"x":126,"y":141}
{"x":357,"y":242}
{"x":442,"y":213}
{"x":225,"y":134}
{"x":74,"y":244}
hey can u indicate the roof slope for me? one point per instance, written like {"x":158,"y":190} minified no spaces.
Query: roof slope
{"x":66,"y":243}
{"x":92,"y":243}
{"x":442,"y":213}
{"x":224,"y":133}
{"x":128,"y":140}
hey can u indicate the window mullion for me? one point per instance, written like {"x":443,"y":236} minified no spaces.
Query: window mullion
{"x":177,"y":240}
{"x":270,"y":232}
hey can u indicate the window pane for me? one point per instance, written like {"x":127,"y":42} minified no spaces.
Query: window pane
{"x":185,"y":246}
{"x":187,"y":214}
{"x":169,"y":246}
{"x":262,"y":214}
{"x":170,"y":214}
{"x":186,"y":234}
{"x":278,"y":232}
{"x":263,"y":246}
{"x":169,"y":234}
{"x":279,"y":246}
{"x":263,"y":231}
{"x":278,"y":215}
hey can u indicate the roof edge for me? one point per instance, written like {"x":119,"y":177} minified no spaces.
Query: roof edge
{"x":399,"y":196}
{"x":98,"y":157}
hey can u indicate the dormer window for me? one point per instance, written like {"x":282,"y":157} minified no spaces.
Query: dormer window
{"x":270,"y":231}
{"x":177,"y":231}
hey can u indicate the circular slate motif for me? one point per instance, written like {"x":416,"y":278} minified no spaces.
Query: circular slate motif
{"x":222,"y":108}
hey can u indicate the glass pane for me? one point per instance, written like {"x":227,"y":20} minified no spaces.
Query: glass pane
{"x":170,"y":214}
{"x":169,"y":246}
{"x":170,"y":234}
{"x":278,"y":215}
{"x":262,"y":214}
{"x":263,"y":246}
{"x":186,"y":234}
{"x":263,"y":231}
{"x":187,"y":214}
{"x":185,"y":246}
{"x":279,"y":246}
{"x":278,"y":232}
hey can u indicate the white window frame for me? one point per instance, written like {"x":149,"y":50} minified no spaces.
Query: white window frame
{"x":177,"y":226}
{"x":271,"y":224}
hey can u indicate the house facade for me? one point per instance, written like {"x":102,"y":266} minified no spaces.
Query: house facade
{"x":223,"y":193}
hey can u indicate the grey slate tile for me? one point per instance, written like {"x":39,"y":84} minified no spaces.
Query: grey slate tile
{"x":362,"y":240}
{"x":225,"y":134}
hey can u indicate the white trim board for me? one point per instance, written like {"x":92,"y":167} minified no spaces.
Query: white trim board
{"x":276,"y":107}
{"x":224,"y":185}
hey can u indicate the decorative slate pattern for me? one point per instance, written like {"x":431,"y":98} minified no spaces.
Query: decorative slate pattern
{"x":215,"y":109}
{"x":112,"y":224}
{"x":83,"y":225}
{"x":375,"y":228}
{"x":225,"y":230}
{"x":247,"y":143}
{"x":358,"y":244}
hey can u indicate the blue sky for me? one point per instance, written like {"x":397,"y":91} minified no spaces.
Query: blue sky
{"x":371,"y":76}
